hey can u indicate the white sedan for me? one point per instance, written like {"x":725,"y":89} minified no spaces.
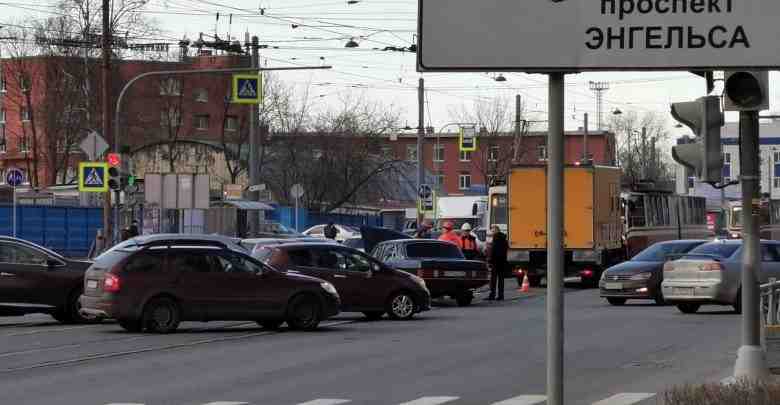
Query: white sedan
{"x":345,"y":232}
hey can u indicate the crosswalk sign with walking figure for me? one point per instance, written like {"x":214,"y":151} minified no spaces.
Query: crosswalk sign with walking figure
{"x":247,"y":89}
{"x":93,"y":177}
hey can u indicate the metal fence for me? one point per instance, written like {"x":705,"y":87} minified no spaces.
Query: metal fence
{"x":69,"y":231}
{"x":770,"y":293}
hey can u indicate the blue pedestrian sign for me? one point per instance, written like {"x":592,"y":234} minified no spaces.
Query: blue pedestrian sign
{"x":247,"y":89}
{"x":14,"y":177}
{"x":93,"y":177}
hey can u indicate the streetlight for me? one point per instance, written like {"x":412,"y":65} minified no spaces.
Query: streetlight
{"x":617,"y":112}
{"x":500,"y":78}
{"x":351,"y":43}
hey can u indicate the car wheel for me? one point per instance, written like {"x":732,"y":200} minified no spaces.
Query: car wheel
{"x":271,"y":324}
{"x":688,"y":307}
{"x":374,"y":315}
{"x":659,"y":298}
{"x":71,"y":311}
{"x":130,"y":325}
{"x":303,"y":313}
{"x":400,"y":306}
{"x":738,"y":302}
{"x":161,"y":315}
{"x":464,"y":298}
{"x":616,"y":301}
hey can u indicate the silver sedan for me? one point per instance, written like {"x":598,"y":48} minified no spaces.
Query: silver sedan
{"x":711,"y":274}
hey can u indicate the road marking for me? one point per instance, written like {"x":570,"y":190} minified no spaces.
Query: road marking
{"x":53,"y":330}
{"x":627,"y":398}
{"x":227,"y":403}
{"x":430,"y":401}
{"x":523,"y":400}
{"x":326,"y":401}
{"x":125,"y":403}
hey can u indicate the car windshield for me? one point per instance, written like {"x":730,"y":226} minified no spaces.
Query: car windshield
{"x":719,"y":249}
{"x":433,"y":250}
{"x":659,"y":251}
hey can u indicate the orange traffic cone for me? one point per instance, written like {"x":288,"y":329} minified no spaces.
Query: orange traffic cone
{"x":526,"y":285}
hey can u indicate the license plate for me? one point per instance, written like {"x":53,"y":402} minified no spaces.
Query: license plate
{"x":455,"y":274}
{"x":92,"y":284}
{"x":613,"y":286}
{"x":682,"y":290}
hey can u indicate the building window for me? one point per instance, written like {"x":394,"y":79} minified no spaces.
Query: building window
{"x":542,"y":152}
{"x":386,"y":152}
{"x":24,"y":146}
{"x":465,"y":156}
{"x":727,"y":158}
{"x":170,"y":118}
{"x":438,"y":181}
{"x":170,"y":87}
{"x":24,"y":114}
{"x":438,"y":153}
{"x":3,"y":87}
{"x":2,"y":116}
{"x":2,"y":175}
{"x":24,"y":84}
{"x":411,"y":153}
{"x":201,"y":95}
{"x":202,"y":122}
{"x":493,"y":154}
{"x":464,"y":181}
{"x":725,"y":180}
{"x":491,"y":180}
{"x":231,"y":123}
{"x":2,"y":138}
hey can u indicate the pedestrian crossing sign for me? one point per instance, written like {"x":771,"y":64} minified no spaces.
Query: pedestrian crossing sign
{"x":248,"y":89}
{"x":93,"y":177}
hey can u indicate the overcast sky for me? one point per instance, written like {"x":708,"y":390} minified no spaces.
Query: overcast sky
{"x":324,"y":26}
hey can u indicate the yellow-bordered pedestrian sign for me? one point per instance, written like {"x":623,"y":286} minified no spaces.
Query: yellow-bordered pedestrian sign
{"x":468,"y":139}
{"x":248,"y":89}
{"x":93,"y":177}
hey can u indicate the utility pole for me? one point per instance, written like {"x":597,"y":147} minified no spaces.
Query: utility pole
{"x":420,"y":138}
{"x":585,"y":139}
{"x":106,"y":99}
{"x":518,"y":128}
{"x":254,"y":172}
{"x":643,"y":164}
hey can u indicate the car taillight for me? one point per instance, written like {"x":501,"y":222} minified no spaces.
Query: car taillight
{"x":668,"y":266}
{"x":426,"y":273}
{"x":111,"y":283}
{"x":711,"y":266}
{"x":586,"y":273}
{"x":519,"y":272}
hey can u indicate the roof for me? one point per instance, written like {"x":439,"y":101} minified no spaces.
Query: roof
{"x":245,"y":205}
{"x":407,"y":241}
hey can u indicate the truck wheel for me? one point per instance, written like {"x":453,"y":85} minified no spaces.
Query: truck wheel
{"x":688,"y":308}
{"x":464,"y":298}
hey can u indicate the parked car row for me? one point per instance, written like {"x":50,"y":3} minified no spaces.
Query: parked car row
{"x":687,"y":274}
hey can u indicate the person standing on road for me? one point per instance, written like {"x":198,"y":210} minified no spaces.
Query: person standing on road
{"x":468,"y":243}
{"x":331,"y":231}
{"x":424,"y":231}
{"x":498,"y":261}
{"x":133,"y":230}
{"x":449,"y":235}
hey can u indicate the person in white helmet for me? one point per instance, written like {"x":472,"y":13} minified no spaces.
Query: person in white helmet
{"x":468,"y":243}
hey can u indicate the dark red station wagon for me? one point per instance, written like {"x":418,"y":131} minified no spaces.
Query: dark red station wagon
{"x":151,"y":283}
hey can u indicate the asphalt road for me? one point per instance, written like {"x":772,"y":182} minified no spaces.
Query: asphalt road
{"x":483,"y":354}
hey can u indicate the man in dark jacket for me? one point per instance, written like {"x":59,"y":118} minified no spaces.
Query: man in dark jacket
{"x":497,"y":252}
{"x":331,"y":231}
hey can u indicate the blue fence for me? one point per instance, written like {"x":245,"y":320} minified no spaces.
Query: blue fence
{"x":286,"y":216}
{"x":66,"y":230}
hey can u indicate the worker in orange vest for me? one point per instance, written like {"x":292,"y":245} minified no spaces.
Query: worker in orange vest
{"x":449,"y":235}
{"x":468,"y":243}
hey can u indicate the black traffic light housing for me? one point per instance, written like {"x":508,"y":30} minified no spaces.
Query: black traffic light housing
{"x":114,"y":180}
{"x":705,"y":119}
{"x":746,"y":90}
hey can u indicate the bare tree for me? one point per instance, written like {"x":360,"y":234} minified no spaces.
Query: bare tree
{"x":638,"y":146}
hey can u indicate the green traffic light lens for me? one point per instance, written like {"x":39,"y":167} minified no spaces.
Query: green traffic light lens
{"x":744,"y":90}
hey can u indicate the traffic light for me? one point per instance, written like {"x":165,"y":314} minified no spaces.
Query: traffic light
{"x":114,"y":181}
{"x":704,"y":118}
{"x":746,"y":90}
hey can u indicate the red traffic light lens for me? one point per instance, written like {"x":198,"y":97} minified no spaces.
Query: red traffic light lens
{"x":113,"y":159}
{"x":744,"y":90}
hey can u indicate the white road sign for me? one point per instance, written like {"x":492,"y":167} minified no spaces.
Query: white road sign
{"x":93,"y":145}
{"x":588,"y":35}
{"x":296,"y":191}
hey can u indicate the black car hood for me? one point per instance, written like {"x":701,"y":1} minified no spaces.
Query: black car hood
{"x":373,"y":236}
{"x":635,"y":267}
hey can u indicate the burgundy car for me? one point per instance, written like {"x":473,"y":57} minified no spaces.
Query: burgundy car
{"x":151,"y":283}
{"x":364,"y":284}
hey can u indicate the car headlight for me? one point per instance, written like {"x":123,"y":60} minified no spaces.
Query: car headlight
{"x":603,"y":275}
{"x":641,"y":276}
{"x":329,"y":288}
{"x":419,"y":281}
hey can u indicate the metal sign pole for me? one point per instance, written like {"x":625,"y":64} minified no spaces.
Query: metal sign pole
{"x":296,"y":213}
{"x":555,"y":258}
{"x":14,"y":215}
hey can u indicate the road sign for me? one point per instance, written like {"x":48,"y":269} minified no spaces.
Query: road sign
{"x":247,"y":89}
{"x":94,"y":145}
{"x":14,"y":177}
{"x":424,"y":191}
{"x":468,"y":139}
{"x":93,"y":177}
{"x":113,"y":159}
{"x":427,"y":204}
{"x":296,"y":191}
{"x":587,"y":35}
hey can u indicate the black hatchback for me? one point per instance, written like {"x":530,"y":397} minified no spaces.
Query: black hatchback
{"x":151,"y":283}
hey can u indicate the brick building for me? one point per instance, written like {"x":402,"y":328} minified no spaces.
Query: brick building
{"x":46,"y":108}
{"x":454,"y":172}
